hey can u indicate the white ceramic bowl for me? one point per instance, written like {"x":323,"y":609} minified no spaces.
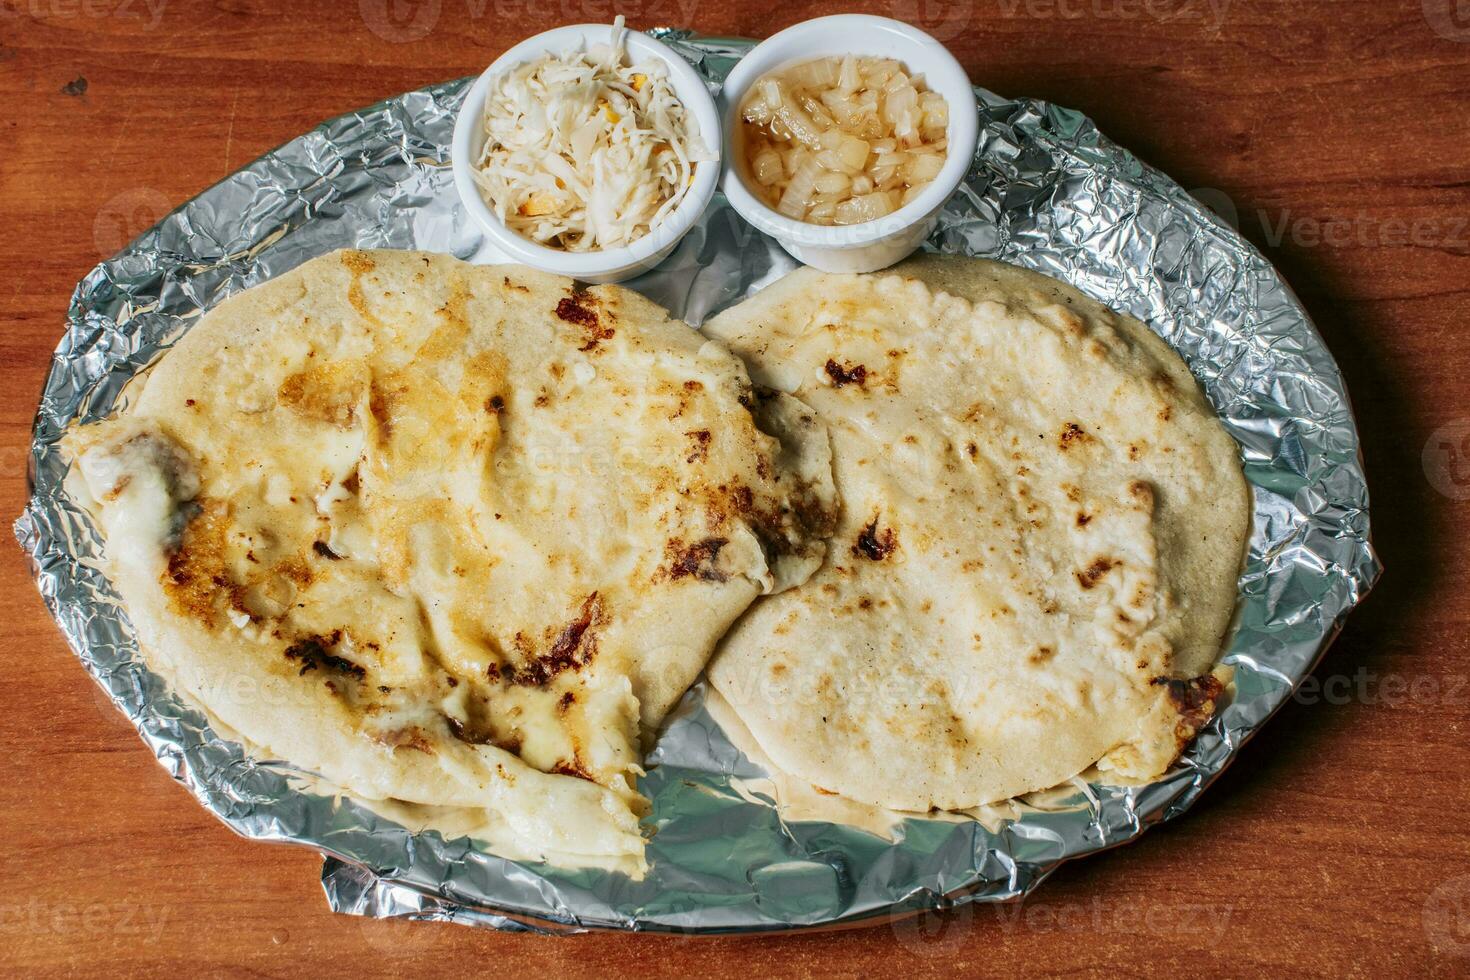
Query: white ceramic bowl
{"x":604,"y":265}
{"x":873,"y":244}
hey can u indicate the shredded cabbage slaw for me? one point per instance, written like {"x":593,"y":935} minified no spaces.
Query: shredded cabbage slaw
{"x":585,"y":151}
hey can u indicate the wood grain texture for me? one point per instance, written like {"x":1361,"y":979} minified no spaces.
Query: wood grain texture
{"x":1334,"y":131}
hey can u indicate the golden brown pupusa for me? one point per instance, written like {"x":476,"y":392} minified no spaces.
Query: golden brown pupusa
{"x":479,"y":528}
{"x":1042,"y":525}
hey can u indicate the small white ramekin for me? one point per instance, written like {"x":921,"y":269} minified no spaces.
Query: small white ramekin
{"x":603,"y":265}
{"x":876,"y":244}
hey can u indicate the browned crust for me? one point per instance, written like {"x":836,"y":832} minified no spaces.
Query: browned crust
{"x":580,"y":308}
{"x":842,"y":374}
{"x":196,"y":578}
{"x":1093,"y":573}
{"x":1194,"y":698}
{"x":572,"y":648}
{"x":874,"y":544}
{"x":314,"y":652}
{"x":321,"y":394}
{"x":697,"y":560}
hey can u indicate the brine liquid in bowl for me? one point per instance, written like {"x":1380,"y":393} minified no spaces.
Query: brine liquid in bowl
{"x":840,"y":141}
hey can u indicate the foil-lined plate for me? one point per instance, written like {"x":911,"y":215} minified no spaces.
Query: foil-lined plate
{"x":1047,"y":191}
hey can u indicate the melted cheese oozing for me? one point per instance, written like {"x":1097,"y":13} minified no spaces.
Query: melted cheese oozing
{"x":452,"y":535}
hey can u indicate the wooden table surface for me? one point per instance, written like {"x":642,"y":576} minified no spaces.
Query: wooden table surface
{"x":1334,"y":133}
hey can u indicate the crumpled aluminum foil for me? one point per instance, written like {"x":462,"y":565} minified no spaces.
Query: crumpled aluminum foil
{"x":1047,"y":191}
